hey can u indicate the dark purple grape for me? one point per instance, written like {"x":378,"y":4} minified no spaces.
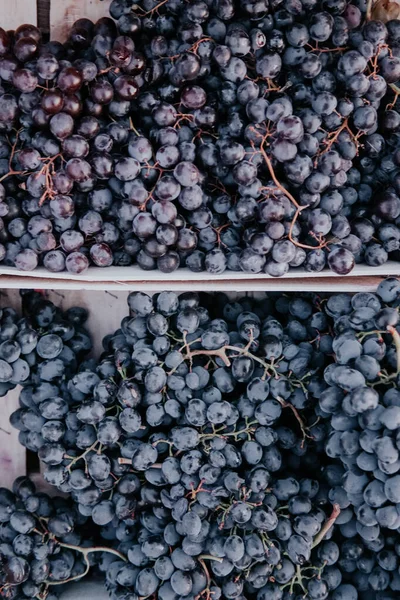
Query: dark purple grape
{"x":76,"y":263}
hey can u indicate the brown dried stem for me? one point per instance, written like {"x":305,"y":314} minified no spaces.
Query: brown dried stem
{"x":328,"y":50}
{"x":333,"y":136}
{"x":288,"y":195}
{"x":294,"y":410}
{"x":396,"y":340}
{"x":192,"y":48}
{"x":368,"y":14}
{"x":48,"y":171}
{"x":11,"y":171}
{"x":327,"y":525}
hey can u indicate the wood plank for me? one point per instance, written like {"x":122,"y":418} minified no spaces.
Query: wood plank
{"x":63,"y":14}
{"x":282,"y":284}
{"x":14,"y":13}
{"x":12,"y":454}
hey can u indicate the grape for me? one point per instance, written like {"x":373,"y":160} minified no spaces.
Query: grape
{"x":76,"y":263}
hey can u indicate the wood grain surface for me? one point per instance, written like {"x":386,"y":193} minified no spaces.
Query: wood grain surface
{"x":14,"y":13}
{"x":63,"y":13}
{"x":105,"y":313}
{"x":12,"y":454}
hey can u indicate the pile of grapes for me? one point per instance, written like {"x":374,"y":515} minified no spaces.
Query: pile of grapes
{"x":242,"y":450}
{"x":252,"y":136}
{"x":45,"y":543}
{"x":45,"y":346}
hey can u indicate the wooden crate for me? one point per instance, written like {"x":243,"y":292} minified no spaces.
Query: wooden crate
{"x":54,"y":16}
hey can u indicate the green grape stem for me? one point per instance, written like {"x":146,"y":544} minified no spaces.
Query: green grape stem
{"x":206,"y":592}
{"x":75,"y":459}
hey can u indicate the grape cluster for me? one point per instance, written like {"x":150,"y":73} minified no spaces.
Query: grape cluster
{"x":236,"y":449}
{"x":362,"y":403}
{"x":148,"y":380}
{"x":44,"y":543}
{"x":249,"y":136}
{"x":16,"y":339}
{"x":45,"y":346}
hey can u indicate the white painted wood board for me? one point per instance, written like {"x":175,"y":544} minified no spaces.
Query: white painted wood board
{"x":14,"y":13}
{"x":12,"y":454}
{"x":323,"y":284}
{"x":119,"y":278}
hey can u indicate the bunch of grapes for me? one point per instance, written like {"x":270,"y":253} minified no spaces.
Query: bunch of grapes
{"x":249,"y":136}
{"x":362,"y":403}
{"x":44,"y":347}
{"x":44,"y":543}
{"x":172,"y":363}
{"x":237,"y":449}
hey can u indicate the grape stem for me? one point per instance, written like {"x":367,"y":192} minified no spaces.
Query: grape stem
{"x":149,"y":12}
{"x":333,"y":135}
{"x":85,"y":553}
{"x":327,"y":525}
{"x":363,"y":334}
{"x":11,"y":171}
{"x":396,"y":90}
{"x":201,"y":560}
{"x":396,"y":340}
{"x":210,"y":557}
{"x":248,"y":429}
{"x":222,"y":354}
{"x":290,"y":197}
{"x":48,"y":171}
{"x":75,"y":459}
{"x":285,"y":404}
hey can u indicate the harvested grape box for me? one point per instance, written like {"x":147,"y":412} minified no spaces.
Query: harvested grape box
{"x":200,"y":141}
